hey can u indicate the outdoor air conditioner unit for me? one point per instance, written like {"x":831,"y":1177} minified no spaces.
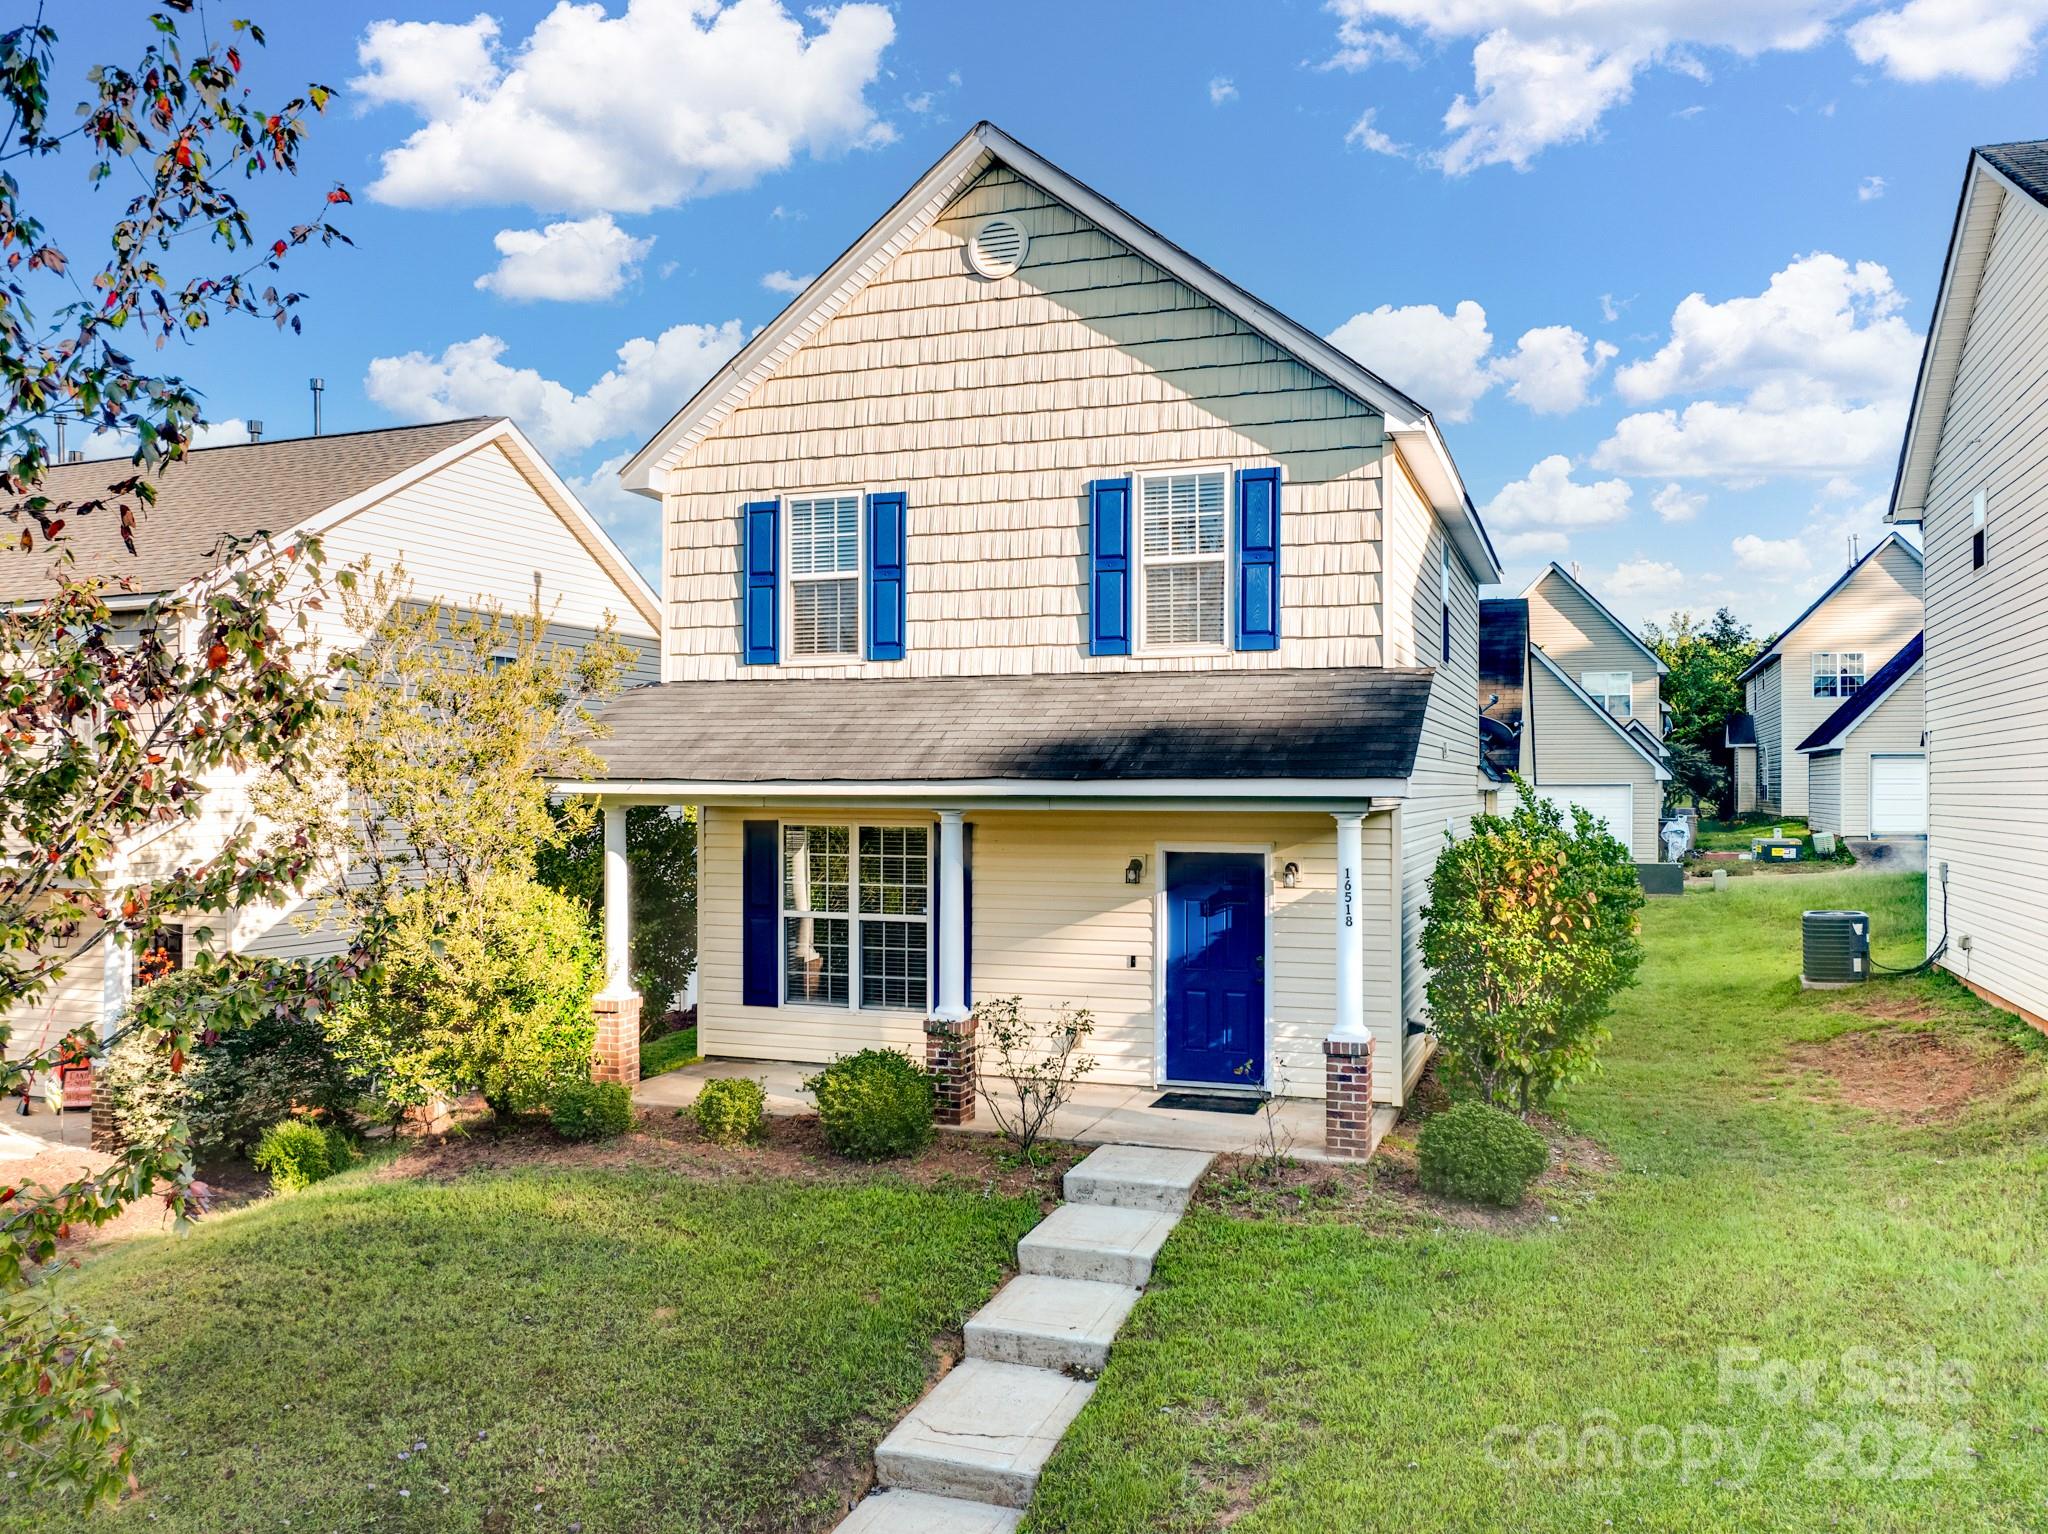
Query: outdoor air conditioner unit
{"x":1835,"y":949}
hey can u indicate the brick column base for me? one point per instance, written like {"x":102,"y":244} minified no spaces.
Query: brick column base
{"x":1347,"y":1102}
{"x":949,"y":1056}
{"x":106,"y":1136}
{"x":616,"y":1056}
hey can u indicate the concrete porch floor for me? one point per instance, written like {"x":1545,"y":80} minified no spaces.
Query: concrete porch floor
{"x":1098,"y":1115}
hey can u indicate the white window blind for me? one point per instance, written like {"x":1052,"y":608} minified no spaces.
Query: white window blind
{"x":824,"y":575}
{"x":856,"y":916}
{"x":1185,"y":542}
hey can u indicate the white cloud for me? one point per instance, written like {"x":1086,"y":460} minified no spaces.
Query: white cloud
{"x":1611,"y":307}
{"x":1366,"y":136}
{"x":1987,"y":42}
{"x":668,"y":100}
{"x":1870,"y":188}
{"x":651,"y":381}
{"x":1533,"y":545}
{"x":1745,"y":444}
{"x":1549,"y":498}
{"x":921,"y":103}
{"x":1438,"y":358}
{"x":574,"y":261}
{"x":1775,"y":558}
{"x":1674,"y":503}
{"x":1222,"y":89}
{"x":1360,"y":46}
{"x":787,"y":282}
{"x":1552,"y":368}
{"x":1639,"y":580}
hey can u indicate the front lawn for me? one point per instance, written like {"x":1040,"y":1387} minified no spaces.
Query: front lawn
{"x":672,"y":1051}
{"x":554,"y":1343}
{"x":1584,"y":1372}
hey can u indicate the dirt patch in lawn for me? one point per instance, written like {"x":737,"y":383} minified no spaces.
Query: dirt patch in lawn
{"x":225,"y":1186}
{"x":1386,"y":1193}
{"x":789,"y":1148}
{"x":1910,"y":1076}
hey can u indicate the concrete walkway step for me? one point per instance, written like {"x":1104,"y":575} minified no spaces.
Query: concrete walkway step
{"x":1050,"y":1323}
{"x":1137,"y":1177}
{"x":983,"y":1434}
{"x":1096,"y":1243}
{"x":915,"y":1512}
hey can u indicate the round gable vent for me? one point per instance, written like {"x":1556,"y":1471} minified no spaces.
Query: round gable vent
{"x":997,"y":247}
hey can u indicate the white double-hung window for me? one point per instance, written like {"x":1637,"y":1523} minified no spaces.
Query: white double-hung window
{"x":824,"y":575}
{"x":1837,"y":673}
{"x":1612,"y":690}
{"x":856,"y":916}
{"x":1184,"y":547}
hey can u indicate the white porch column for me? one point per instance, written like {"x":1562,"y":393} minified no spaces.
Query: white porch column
{"x":117,"y":980}
{"x":1350,"y":1022}
{"x":618,"y":965}
{"x":952,"y":1007}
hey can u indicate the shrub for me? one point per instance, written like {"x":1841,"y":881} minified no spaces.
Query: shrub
{"x":483,"y":989}
{"x":297,"y":1154}
{"x":1484,"y":1154}
{"x":591,"y":1110}
{"x":1530,"y":932}
{"x":874,"y":1104}
{"x":1039,"y":1066}
{"x":730,"y":1109}
{"x":236,"y":1082}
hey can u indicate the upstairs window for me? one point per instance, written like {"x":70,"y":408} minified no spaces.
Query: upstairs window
{"x":1837,"y":673}
{"x":1185,"y":543}
{"x":824,"y":575}
{"x":1612,"y":690}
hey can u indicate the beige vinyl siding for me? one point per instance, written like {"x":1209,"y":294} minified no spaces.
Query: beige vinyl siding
{"x":1987,"y":630}
{"x":1581,"y":638}
{"x":991,"y":405}
{"x":1824,"y":793}
{"x":1443,"y":792}
{"x":1876,"y":612}
{"x":75,"y":999}
{"x":1893,"y":728}
{"x":1744,"y":770}
{"x":1054,"y":923}
{"x":1574,"y":747}
{"x":1766,"y":695}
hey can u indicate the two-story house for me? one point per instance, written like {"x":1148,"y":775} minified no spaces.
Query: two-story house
{"x":1973,"y":473}
{"x":469,"y":509}
{"x":1795,"y":751}
{"x":1568,"y":698}
{"x":1043,"y":615}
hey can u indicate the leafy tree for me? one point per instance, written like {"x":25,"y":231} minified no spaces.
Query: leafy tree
{"x":102,"y":742}
{"x":1704,"y":660}
{"x":1696,"y":778}
{"x":1530,"y":932}
{"x":661,"y":854}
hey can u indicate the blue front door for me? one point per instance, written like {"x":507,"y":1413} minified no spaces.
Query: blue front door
{"x":1216,"y":967}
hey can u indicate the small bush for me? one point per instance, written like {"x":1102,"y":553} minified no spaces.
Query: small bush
{"x":730,"y":1109}
{"x":297,"y":1154}
{"x":1484,"y":1154}
{"x":874,"y":1105}
{"x":591,"y":1110}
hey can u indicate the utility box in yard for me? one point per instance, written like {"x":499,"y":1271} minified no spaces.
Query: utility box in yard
{"x":1661,"y":878}
{"x":1834,"y":949}
{"x":1776,"y":849}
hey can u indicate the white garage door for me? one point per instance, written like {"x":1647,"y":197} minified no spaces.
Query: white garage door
{"x":1613,"y":803}
{"x":1898,"y":796}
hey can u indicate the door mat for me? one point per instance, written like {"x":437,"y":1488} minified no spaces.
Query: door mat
{"x":1205,"y":1102}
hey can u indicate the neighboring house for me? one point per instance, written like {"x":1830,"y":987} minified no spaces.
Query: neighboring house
{"x":1538,"y":719}
{"x":1866,"y":763}
{"x":1606,"y":657}
{"x":469,"y":507}
{"x":1973,"y":473}
{"x":1046,"y":616}
{"x":1823,"y":657}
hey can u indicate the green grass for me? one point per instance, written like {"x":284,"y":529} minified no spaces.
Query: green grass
{"x":1313,"y":1376}
{"x":669,"y":1052}
{"x":621,"y":1349}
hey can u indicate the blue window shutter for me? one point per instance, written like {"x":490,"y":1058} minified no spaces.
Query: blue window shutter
{"x":1258,"y":559}
{"x":885,"y":544}
{"x":1109,"y":567}
{"x":762,"y":581}
{"x":761,"y":901}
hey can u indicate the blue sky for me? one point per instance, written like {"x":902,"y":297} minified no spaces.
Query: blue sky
{"x":1662,"y":269}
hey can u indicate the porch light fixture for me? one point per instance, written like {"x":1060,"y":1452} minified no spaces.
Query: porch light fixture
{"x":1291,"y":875}
{"x":1134,"y":871}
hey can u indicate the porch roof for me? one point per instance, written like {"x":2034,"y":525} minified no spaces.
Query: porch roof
{"x":1325,"y":725}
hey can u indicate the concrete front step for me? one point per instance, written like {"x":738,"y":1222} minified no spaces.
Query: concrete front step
{"x":983,"y":1434}
{"x":1096,"y":1243}
{"x":1050,"y":1323}
{"x":1137,"y":1177}
{"x":915,"y":1512}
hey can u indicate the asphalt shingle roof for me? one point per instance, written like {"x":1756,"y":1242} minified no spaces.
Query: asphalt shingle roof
{"x":1864,"y":698}
{"x":267,"y":487}
{"x":1334,"y":723}
{"x":2025,"y":164}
